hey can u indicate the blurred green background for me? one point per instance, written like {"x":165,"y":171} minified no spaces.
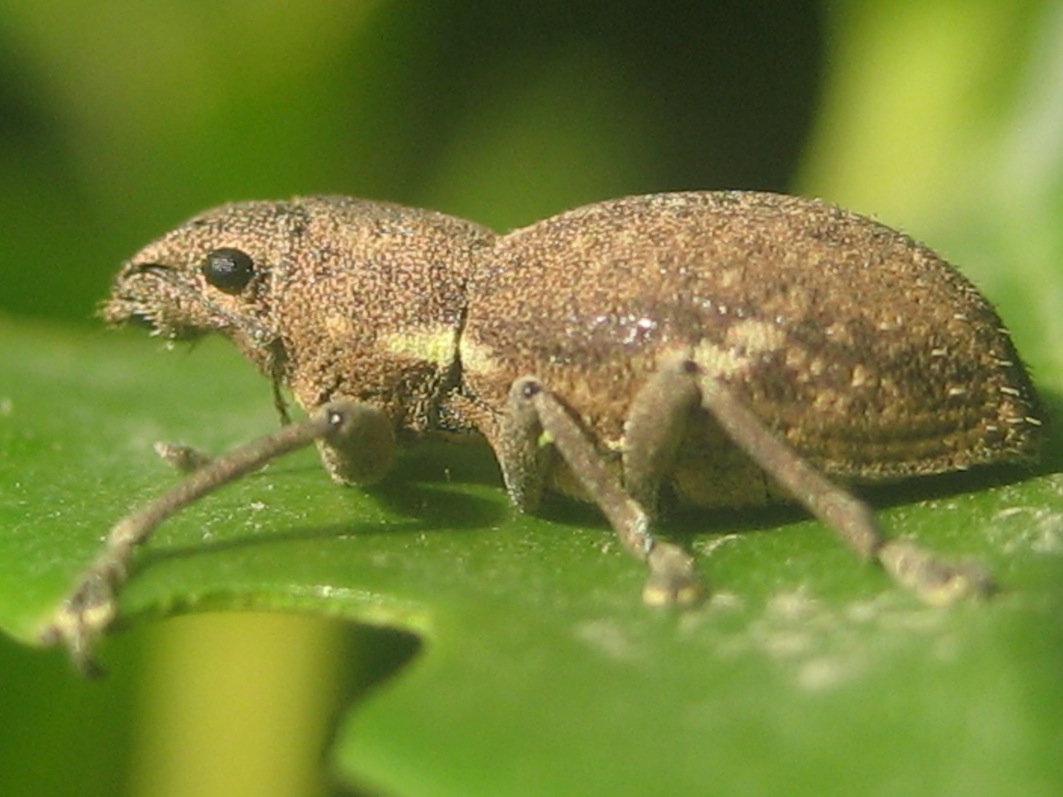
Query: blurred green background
{"x":118,"y":119}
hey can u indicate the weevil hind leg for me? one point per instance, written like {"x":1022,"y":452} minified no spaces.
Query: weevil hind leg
{"x":536,"y":421}
{"x":936,"y":580}
{"x":91,"y":605}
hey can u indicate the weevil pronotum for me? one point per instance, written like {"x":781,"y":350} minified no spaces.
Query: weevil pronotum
{"x":718,"y":349}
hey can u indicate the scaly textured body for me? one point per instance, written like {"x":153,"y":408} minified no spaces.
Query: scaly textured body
{"x":721,"y":348}
{"x":866,"y":352}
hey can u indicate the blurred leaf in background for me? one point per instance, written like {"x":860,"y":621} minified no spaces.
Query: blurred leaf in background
{"x":539,"y":673}
{"x":121,"y":118}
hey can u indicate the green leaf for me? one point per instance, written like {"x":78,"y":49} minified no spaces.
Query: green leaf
{"x":540,"y":671}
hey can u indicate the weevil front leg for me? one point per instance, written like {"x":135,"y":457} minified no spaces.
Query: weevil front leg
{"x":536,"y":420}
{"x":341,"y":427}
{"x":935,"y":580}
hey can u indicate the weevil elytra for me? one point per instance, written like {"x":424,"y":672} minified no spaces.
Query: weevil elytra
{"x":719,"y":349}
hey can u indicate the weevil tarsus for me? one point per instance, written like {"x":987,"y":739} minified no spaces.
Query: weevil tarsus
{"x":181,"y":457}
{"x":938,"y":581}
{"x":91,"y":606}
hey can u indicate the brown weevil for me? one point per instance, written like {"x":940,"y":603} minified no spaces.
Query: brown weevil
{"x":716,"y":349}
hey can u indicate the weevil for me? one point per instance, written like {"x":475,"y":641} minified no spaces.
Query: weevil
{"x":716,"y":349}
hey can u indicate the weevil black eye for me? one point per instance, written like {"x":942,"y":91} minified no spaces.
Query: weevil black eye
{"x":228,"y":269}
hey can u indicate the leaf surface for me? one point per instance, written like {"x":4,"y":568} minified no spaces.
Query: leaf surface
{"x":540,"y":671}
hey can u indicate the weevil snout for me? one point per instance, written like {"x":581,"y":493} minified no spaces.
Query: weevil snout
{"x":172,"y":303}
{"x":135,"y":297}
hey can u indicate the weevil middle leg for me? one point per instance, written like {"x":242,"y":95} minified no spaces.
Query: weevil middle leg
{"x":536,"y":419}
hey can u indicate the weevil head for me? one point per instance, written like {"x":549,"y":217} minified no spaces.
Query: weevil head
{"x":212,"y":273}
{"x":330,"y":296}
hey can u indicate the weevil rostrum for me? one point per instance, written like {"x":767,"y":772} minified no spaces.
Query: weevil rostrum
{"x":716,"y":349}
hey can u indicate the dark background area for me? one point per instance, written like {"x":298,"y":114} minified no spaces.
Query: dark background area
{"x":118,"y":122}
